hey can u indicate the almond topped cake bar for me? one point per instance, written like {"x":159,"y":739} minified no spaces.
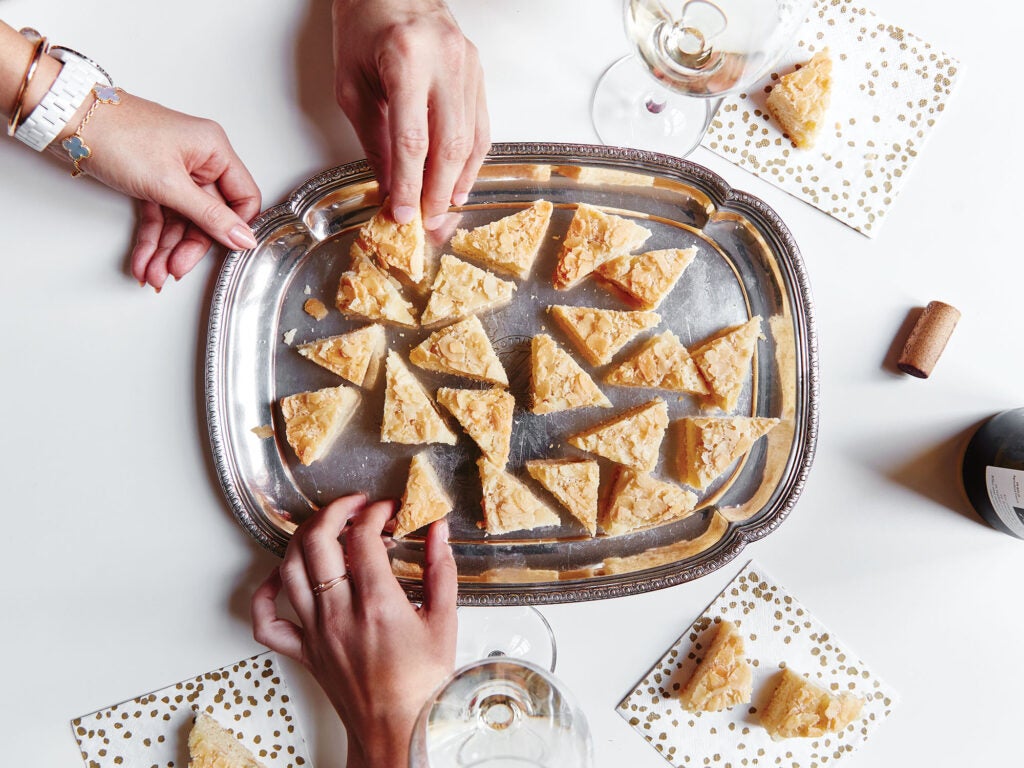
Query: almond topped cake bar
{"x":393,"y":245}
{"x":424,"y":500}
{"x":574,"y":482}
{"x":462,"y":349}
{"x":410,"y":416}
{"x":723,"y":677}
{"x":632,"y":438}
{"x":366,"y":291}
{"x":313,"y":420}
{"x":593,"y":238}
{"x":557,"y":382}
{"x":486,"y":415}
{"x":510,"y":244}
{"x":598,"y":334}
{"x":355,"y":356}
{"x":460,"y":289}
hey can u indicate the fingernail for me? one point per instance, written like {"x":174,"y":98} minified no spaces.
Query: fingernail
{"x":444,"y":529}
{"x":242,"y":237}
{"x":460,"y":198}
{"x":436,"y":222}
{"x":404,"y":214}
{"x":142,"y":283}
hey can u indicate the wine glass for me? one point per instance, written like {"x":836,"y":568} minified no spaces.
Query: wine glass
{"x":501,"y":713}
{"x":520,"y":632}
{"x":663,"y":97}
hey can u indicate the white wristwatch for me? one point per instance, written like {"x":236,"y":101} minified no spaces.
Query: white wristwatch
{"x":58,"y":106}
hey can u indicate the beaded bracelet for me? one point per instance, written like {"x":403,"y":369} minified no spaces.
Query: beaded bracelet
{"x":76,"y":148}
{"x":37,"y":53}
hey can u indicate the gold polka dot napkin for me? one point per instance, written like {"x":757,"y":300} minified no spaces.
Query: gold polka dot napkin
{"x":777,"y":632}
{"x":889,"y":89}
{"x":249,"y":698}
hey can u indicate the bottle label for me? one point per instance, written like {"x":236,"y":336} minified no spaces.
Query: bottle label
{"x":1006,"y":492}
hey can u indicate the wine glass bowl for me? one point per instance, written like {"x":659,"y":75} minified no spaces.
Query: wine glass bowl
{"x":501,"y":713}
{"x":664,"y":95}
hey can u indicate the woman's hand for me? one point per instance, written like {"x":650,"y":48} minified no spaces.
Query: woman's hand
{"x":412,"y":86}
{"x":377,"y":656}
{"x":192,"y":187}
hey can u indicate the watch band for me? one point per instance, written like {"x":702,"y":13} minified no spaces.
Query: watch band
{"x":59,"y":104}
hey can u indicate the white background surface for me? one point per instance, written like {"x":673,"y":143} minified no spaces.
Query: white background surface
{"x":123,"y":570}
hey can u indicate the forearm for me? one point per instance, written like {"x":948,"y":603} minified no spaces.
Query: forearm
{"x":15,"y":56}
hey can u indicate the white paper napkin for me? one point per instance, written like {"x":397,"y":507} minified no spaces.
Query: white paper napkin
{"x":249,"y":698}
{"x":777,"y":630}
{"x":889,"y":90}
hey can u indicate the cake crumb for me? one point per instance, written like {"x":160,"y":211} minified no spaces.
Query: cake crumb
{"x":315,"y":309}
{"x":263,"y":431}
{"x":289,"y":335}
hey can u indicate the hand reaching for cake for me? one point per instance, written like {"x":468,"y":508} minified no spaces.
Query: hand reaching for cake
{"x":412,"y":86}
{"x":377,"y":656}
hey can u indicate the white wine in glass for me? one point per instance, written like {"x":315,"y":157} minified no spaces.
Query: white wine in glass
{"x":501,"y":713}
{"x":688,"y":56}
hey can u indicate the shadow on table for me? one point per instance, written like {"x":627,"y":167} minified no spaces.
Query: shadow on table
{"x":936,"y":474}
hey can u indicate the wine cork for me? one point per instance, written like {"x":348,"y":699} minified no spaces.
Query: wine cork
{"x":927,"y":339}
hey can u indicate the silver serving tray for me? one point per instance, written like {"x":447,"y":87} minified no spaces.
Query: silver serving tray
{"x":747,"y":263}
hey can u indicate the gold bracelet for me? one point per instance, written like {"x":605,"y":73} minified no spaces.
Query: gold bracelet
{"x":77,"y":149}
{"x":37,"y":53}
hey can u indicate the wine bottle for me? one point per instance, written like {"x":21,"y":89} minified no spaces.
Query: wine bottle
{"x":993,"y":471}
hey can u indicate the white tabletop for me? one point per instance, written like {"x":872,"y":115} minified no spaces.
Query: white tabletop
{"x":124,"y":570}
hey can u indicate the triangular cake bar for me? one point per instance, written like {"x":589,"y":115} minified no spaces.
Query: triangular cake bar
{"x":313,"y":420}
{"x":410,"y":416}
{"x":598,"y":334}
{"x":723,"y":677}
{"x":486,"y":415}
{"x":424,"y":500}
{"x":647,"y":277}
{"x":724,"y":361}
{"x":637,"y":500}
{"x":799,"y":708}
{"x":574,"y":482}
{"x":211,"y":745}
{"x":799,"y":99}
{"x":557,"y":383}
{"x":462,"y":349}
{"x":461,"y":289}
{"x":632,"y":438}
{"x":711,"y":445}
{"x":510,"y":244}
{"x":508,"y":503}
{"x":662,"y":363}
{"x":355,"y":356}
{"x":593,"y":238}
{"x":395,"y":246}
{"x":366,"y":291}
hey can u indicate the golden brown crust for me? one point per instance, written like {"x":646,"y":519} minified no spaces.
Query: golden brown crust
{"x":632,"y":438}
{"x":724,"y":361}
{"x":486,"y":415}
{"x":637,"y":500}
{"x":557,"y":383}
{"x":460,"y":289}
{"x":210,"y":745}
{"x":508,"y":504}
{"x":799,"y":708}
{"x":393,"y":245}
{"x":723,"y":677}
{"x":355,"y":356}
{"x":710,"y":445}
{"x":799,"y":100}
{"x":647,"y":277}
{"x":598,"y":334}
{"x":663,"y":363}
{"x":593,"y":238}
{"x":574,"y":482}
{"x":410,"y":416}
{"x":313,"y":420}
{"x":366,"y":291}
{"x":510,"y":244}
{"x":424,"y":500}
{"x":462,"y":349}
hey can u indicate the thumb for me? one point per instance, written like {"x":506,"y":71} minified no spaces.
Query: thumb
{"x":210,"y":214}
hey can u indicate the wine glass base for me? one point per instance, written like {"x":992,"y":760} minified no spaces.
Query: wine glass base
{"x":520,"y":632}
{"x":631,"y":109}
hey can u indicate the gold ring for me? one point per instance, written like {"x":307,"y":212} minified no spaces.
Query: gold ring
{"x":323,"y":586}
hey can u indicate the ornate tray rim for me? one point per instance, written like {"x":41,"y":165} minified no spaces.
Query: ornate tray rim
{"x":738,"y":534}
